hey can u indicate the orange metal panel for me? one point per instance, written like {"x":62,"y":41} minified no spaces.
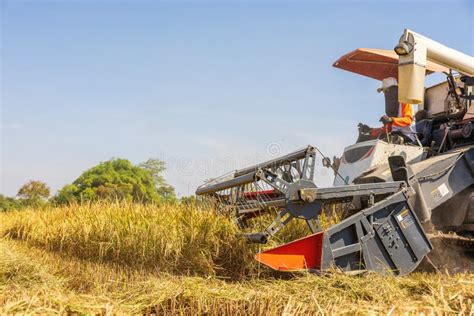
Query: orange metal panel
{"x":304,"y":253}
{"x":377,"y":63}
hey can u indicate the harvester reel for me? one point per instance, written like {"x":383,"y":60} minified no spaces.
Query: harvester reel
{"x":297,"y":192}
{"x":301,"y":204}
{"x":284,"y":184}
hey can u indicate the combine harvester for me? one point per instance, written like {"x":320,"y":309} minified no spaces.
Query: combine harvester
{"x":404,"y":203}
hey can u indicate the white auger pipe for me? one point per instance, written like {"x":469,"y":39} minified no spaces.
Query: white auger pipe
{"x":414,"y":50}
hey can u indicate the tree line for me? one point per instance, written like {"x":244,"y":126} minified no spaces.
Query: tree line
{"x":115,"y":179}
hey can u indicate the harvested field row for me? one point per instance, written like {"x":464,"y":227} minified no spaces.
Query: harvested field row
{"x":37,"y":281}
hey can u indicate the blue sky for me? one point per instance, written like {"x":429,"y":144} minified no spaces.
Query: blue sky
{"x":206,"y":86}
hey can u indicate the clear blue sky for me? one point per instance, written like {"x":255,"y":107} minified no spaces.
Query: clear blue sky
{"x":205,"y":86}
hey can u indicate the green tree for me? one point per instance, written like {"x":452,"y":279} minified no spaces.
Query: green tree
{"x":156,"y":168}
{"x":68,"y":194}
{"x":8,"y":203}
{"x":116,"y":179}
{"x":33,"y":193}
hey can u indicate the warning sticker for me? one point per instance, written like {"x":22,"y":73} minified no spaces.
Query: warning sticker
{"x":440,"y":192}
{"x":405,"y":219}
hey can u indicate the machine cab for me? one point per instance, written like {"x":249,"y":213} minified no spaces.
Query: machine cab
{"x":366,"y":156}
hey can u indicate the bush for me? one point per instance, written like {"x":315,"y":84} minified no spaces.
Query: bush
{"x":8,"y":203}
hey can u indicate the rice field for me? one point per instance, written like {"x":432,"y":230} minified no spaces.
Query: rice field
{"x":118,"y":258}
